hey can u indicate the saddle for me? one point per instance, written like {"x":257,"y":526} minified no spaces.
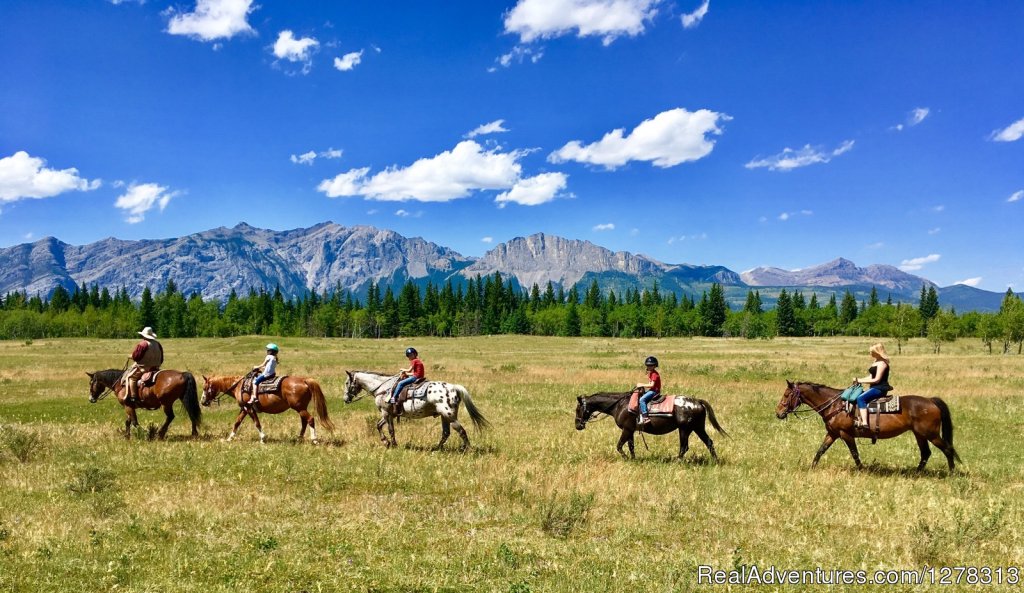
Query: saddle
{"x":148,"y":379}
{"x":659,"y":406}
{"x":889,"y":404}
{"x":408,"y":392}
{"x":268,"y":386}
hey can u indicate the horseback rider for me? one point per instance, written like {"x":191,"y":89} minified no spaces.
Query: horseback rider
{"x":408,"y":376}
{"x":267,"y":370}
{"x":652,"y":387}
{"x":877,"y":380}
{"x":147,"y":357}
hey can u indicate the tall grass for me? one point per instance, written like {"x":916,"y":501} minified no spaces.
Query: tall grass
{"x":534,"y":506}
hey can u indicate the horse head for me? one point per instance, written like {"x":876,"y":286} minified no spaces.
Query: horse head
{"x":583,"y":413}
{"x":99,"y":383}
{"x":212,"y":388}
{"x":791,"y":399}
{"x":352,"y":387}
{"x":95,"y":388}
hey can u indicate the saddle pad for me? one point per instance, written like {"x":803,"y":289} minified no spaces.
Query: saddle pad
{"x":414,"y":391}
{"x":268,"y":386}
{"x":660,"y":405}
{"x":885,"y":405}
{"x":149,"y":377}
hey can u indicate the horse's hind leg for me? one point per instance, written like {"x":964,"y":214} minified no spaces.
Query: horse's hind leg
{"x":702,"y":434}
{"x":684,"y":441}
{"x":947,"y":450}
{"x":169,"y":411}
{"x":462,"y":433}
{"x":852,"y":444}
{"x":305,"y":417}
{"x":446,"y":432}
{"x":926,"y":452}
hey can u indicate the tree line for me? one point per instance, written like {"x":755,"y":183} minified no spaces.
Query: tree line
{"x":494,"y":305}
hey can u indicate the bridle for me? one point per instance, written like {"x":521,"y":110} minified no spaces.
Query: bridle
{"x":107,"y":390}
{"x":798,"y":400}
{"x":375,"y":392}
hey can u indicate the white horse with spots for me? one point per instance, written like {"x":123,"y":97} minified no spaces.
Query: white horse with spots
{"x":427,"y":399}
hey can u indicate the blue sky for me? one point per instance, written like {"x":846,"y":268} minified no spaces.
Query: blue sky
{"x":732,"y":133}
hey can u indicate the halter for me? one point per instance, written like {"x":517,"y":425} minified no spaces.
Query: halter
{"x":375,"y":392}
{"x":799,"y":399}
{"x":107,"y":390}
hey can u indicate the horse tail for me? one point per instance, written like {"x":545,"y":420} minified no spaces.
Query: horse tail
{"x":478,"y":419}
{"x":711,"y":416}
{"x":947,"y":425}
{"x":191,"y":400}
{"x":320,"y":404}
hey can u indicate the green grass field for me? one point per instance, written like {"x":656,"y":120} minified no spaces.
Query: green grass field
{"x":535,"y":506}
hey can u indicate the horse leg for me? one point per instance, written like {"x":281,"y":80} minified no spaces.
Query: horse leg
{"x":684,"y":441}
{"x":304,"y":417}
{"x":380,"y":430}
{"x":259,"y":427}
{"x":705,"y":438}
{"x":829,"y":439}
{"x":238,"y":421}
{"x":445,"y":433}
{"x":129,"y":413}
{"x":626,"y":437}
{"x":946,"y":449}
{"x":169,"y":412}
{"x":462,"y":433}
{"x":926,"y":452}
{"x":851,"y":442}
{"x":391,"y":431}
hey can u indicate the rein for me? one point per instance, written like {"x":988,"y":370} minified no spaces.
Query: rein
{"x":819,"y":409}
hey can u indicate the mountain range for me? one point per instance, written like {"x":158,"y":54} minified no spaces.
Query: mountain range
{"x":328,"y":256}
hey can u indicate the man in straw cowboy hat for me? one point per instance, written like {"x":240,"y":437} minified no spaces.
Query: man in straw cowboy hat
{"x":147,"y":356}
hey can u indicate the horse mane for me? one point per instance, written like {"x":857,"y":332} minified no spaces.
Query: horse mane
{"x":815,"y":386}
{"x":109,"y":376}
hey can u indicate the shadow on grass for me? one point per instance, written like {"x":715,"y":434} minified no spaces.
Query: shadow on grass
{"x":473,"y":450}
{"x":885,"y":471}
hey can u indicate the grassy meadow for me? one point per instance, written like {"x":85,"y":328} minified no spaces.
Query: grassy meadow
{"x":535,"y":505}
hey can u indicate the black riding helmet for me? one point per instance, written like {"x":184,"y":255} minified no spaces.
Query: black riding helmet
{"x":651,"y":361}
{"x":410,"y":351}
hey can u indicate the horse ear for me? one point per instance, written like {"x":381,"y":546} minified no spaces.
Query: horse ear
{"x":579,"y":398}
{"x":790,"y":383}
{"x":349,"y":373}
{"x":205,"y":380}
{"x":88,"y":373}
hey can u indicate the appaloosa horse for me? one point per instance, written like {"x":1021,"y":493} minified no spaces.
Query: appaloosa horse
{"x":688,"y":416}
{"x":295,"y":393}
{"x":927,"y":417}
{"x":431,"y":398}
{"x":168,"y":387}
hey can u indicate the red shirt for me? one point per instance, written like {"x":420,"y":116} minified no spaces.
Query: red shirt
{"x":654,"y":377}
{"x":417,"y":368}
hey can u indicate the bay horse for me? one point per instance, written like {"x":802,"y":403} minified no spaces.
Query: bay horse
{"x":688,"y":416}
{"x":169,"y":386}
{"x":927,"y":417}
{"x":295,"y":393}
{"x":438,"y":399}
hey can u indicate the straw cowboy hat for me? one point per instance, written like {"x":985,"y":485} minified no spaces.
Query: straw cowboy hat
{"x":147,"y":332}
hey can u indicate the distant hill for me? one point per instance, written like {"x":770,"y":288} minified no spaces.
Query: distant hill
{"x":328,"y":256}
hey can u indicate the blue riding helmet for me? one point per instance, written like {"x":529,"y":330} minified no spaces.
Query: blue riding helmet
{"x":651,"y":361}
{"x":272,"y":347}
{"x":411,"y":351}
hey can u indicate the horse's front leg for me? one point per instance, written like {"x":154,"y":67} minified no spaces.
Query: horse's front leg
{"x":380,"y":428}
{"x":129,"y":419}
{"x":391,"y":431}
{"x":684,"y":441}
{"x":238,"y":422}
{"x":626,"y":438}
{"x":851,"y":442}
{"x":169,"y":412}
{"x":829,"y":439}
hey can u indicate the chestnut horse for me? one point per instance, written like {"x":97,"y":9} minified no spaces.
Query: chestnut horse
{"x":688,"y":416}
{"x":169,"y":386}
{"x":295,"y":393}
{"x":927,"y":417}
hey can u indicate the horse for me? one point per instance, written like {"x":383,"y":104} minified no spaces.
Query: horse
{"x":169,"y":386}
{"x":688,"y":416}
{"x":438,"y":399}
{"x":294,"y":393}
{"x":927,"y":417}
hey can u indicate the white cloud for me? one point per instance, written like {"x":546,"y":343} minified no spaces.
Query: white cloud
{"x":790,"y":159}
{"x":608,"y":19}
{"x":917,"y":115}
{"x":669,"y":138}
{"x":694,"y":18}
{"x":487,"y":239}
{"x":495,"y":127}
{"x":401,"y":213}
{"x":934,"y":231}
{"x":212,"y":19}
{"x":1011,"y":133}
{"x":141,"y":198}
{"x":287,"y":47}
{"x":909,"y":265}
{"x":970,"y":281}
{"x":29,"y":236}
{"x":534,"y":191}
{"x":1016,"y":196}
{"x":694,"y":237}
{"x":450,"y":175}
{"x":939,"y":208}
{"x":23,"y":177}
{"x":518,"y":55}
{"x":348,"y":61}
{"x":877,"y":245}
{"x":308,"y":158}
{"x":787,"y":215}
{"x":604,"y":227}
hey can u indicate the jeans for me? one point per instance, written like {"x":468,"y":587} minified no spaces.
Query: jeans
{"x":400,"y":385}
{"x":646,"y":398}
{"x":869,"y":395}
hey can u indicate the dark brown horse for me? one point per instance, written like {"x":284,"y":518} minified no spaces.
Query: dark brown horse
{"x":295,"y":393}
{"x":688,"y":416}
{"x":169,"y":386}
{"x":927,"y":417}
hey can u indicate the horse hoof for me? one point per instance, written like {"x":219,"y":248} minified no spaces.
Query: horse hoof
{"x":315,"y":442}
